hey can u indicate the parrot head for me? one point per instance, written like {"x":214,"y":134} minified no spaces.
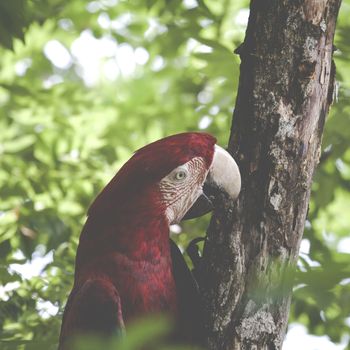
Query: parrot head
{"x":173,"y":178}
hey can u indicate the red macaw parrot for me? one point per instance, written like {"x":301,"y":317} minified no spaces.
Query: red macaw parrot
{"x":125,"y":266}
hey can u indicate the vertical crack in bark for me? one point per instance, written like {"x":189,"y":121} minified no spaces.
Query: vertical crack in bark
{"x":285,"y":90}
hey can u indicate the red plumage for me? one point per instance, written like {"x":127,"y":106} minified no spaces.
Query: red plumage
{"x":124,"y":268}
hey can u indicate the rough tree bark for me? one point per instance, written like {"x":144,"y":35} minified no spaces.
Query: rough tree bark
{"x":285,"y":90}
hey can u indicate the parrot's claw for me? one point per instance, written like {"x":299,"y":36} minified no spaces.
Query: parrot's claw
{"x":194,"y":252}
{"x":195,"y":256}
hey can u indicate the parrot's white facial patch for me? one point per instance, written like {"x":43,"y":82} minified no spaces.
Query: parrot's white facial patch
{"x":182,"y":187}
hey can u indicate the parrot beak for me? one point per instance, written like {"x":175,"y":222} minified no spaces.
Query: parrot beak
{"x":223,"y":178}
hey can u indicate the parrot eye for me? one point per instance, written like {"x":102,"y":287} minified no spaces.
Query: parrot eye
{"x":180,"y":175}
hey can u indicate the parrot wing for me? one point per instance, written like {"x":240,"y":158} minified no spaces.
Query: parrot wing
{"x":189,"y":300}
{"x":95,"y":309}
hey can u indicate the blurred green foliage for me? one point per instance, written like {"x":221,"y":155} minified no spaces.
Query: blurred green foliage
{"x":150,"y":333}
{"x":94,"y":81}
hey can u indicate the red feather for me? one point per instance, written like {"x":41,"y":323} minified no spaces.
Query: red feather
{"x":123,"y":258}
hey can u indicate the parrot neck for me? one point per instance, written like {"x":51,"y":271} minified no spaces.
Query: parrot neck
{"x":135,"y":258}
{"x":145,"y":238}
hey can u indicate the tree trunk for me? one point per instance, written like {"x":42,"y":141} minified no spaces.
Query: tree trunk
{"x":285,"y":90}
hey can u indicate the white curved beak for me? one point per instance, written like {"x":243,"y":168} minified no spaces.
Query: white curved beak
{"x":223,"y":176}
{"x":224,"y":173}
